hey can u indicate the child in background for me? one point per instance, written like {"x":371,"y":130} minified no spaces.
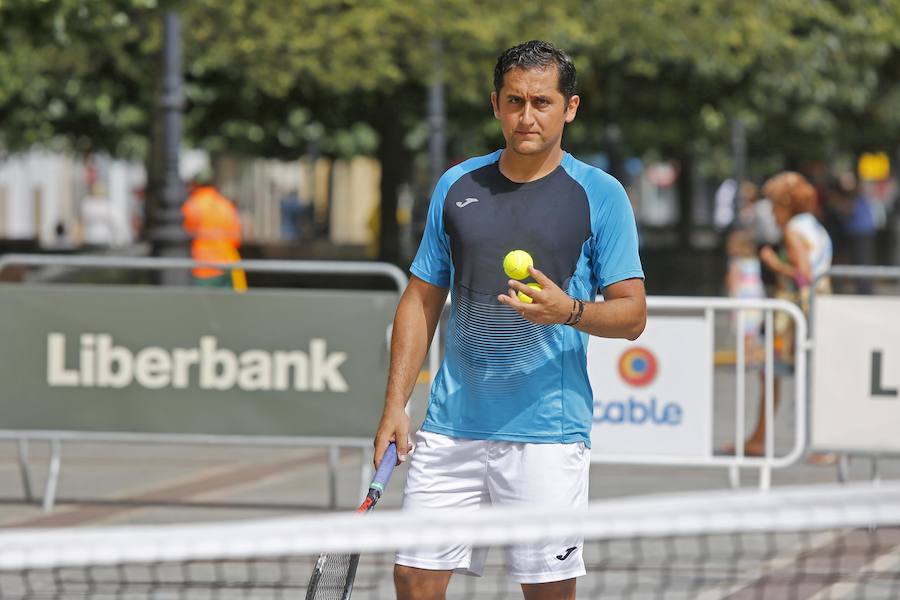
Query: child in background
{"x":744,"y":280}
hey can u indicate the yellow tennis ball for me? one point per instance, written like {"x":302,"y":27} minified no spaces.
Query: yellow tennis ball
{"x":525,"y":297}
{"x":516,"y":264}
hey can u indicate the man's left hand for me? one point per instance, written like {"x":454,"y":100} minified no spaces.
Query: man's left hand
{"x":549,"y":306}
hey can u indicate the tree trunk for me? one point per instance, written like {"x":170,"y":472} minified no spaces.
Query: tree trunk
{"x":153,"y":163}
{"x":685,"y":200}
{"x":395,"y":161}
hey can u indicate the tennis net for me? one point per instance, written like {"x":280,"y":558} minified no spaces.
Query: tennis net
{"x":812,"y":542}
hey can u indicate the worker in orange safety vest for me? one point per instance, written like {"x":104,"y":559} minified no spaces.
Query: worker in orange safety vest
{"x":213,"y":223}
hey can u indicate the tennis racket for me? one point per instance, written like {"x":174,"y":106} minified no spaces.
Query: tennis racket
{"x":332,"y":578}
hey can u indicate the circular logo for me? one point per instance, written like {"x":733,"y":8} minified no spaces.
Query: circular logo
{"x":637,"y":366}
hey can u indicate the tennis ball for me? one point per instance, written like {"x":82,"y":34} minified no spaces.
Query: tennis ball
{"x":525,"y":297}
{"x":516,"y":264}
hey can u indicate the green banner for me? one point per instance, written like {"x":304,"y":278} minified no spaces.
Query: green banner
{"x":191,"y":361}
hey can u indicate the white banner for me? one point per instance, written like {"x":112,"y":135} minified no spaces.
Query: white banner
{"x":654,"y":396}
{"x":856,"y":374}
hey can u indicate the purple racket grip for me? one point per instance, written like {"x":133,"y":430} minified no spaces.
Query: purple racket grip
{"x":385,"y":468}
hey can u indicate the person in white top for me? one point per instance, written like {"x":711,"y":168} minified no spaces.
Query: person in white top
{"x":97,"y":219}
{"x":806,"y":259}
{"x":807,"y":245}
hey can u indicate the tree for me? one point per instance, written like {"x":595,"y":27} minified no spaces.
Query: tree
{"x":76,"y":74}
{"x":348,"y":76}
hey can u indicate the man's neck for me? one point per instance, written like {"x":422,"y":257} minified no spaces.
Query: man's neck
{"x":522,"y":168}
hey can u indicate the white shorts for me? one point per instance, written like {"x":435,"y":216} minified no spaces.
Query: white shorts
{"x":459,"y":474}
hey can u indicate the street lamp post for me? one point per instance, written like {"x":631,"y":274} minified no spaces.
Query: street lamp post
{"x":437,"y":141}
{"x":739,"y":156}
{"x":168,"y":236}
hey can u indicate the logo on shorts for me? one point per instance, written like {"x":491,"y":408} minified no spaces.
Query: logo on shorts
{"x":569,"y":551}
{"x":466,"y":202}
{"x":637,"y":366}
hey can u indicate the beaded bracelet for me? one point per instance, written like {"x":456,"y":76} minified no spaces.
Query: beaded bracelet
{"x":578,"y":316}
{"x":572,"y":313}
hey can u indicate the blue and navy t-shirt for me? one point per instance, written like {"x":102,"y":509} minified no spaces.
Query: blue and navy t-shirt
{"x":503,"y":377}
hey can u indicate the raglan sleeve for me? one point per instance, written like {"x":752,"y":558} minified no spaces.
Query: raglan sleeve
{"x":615,"y":248}
{"x":432,"y":261}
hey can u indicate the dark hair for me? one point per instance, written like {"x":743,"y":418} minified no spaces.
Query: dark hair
{"x":537,"y":55}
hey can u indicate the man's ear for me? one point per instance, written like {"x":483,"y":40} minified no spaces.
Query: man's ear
{"x":572,"y":108}
{"x":494,"y":104}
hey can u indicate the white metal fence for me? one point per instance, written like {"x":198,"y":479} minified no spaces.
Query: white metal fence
{"x":708,"y":307}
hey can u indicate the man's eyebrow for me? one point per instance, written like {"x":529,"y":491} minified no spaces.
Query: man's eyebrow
{"x":544,"y":97}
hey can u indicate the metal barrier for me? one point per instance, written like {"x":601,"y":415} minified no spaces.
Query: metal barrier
{"x":853,"y":272}
{"x":708,"y":307}
{"x":56,"y":437}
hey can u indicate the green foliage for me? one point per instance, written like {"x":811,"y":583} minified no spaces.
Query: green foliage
{"x":77,"y":70}
{"x":280,"y":77}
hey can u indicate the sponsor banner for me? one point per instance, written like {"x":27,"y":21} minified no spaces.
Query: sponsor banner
{"x":653,"y":396}
{"x":856,"y":374}
{"x":192,"y":361}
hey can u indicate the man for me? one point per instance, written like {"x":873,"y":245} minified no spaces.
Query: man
{"x":213,"y":223}
{"x":510,"y":412}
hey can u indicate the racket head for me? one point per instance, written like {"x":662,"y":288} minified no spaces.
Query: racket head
{"x":332,"y":577}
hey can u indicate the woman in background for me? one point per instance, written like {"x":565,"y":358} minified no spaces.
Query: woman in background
{"x":806,"y":259}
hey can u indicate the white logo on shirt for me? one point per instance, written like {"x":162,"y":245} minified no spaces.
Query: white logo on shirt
{"x":466,"y":202}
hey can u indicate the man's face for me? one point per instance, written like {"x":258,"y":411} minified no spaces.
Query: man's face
{"x":532,"y":110}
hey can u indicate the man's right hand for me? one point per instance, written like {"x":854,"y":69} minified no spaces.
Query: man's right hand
{"x":394,"y":427}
